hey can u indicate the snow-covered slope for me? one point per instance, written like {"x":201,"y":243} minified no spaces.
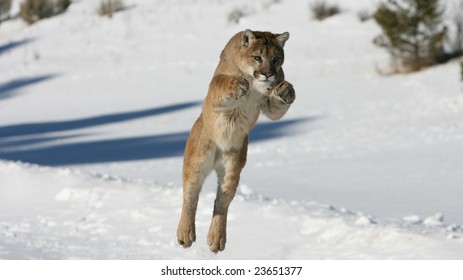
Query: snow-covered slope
{"x":91,"y":95}
{"x":55,"y":213}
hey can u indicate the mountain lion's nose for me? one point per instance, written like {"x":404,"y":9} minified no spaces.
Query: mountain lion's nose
{"x":268,"y":74}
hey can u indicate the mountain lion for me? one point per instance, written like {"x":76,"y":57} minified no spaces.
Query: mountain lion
{"x":248,"y":80}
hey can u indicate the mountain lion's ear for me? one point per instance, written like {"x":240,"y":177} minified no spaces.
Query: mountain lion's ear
{"x":282,"y":38}
{"x":247,"y":36}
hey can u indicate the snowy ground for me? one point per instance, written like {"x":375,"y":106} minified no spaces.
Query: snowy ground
{"x":82,"y":216}
{"x":362,"y":167}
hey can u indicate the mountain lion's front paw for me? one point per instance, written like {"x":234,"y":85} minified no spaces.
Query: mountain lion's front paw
{"x":285,"y":92}
{"x":239,"y":88}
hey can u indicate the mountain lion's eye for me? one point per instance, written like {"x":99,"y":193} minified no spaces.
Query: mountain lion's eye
{"x":257,"y":58}
{"x":276,"y":58}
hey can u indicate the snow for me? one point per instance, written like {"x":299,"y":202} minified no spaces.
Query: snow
{"x":93,"y":216}
{"x":434,"y":220}
{"x":94,"y":114}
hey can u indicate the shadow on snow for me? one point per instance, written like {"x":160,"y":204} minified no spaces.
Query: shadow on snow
{"x":9,"y":88}
{"x":113,"y":150}
{"x":39,"y":128}
{"x":12,"y":45}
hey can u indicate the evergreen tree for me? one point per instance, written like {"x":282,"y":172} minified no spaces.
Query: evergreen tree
{"x":412,"y":32}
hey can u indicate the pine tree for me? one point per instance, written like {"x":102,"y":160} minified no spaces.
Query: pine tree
{"x":413,"y":32}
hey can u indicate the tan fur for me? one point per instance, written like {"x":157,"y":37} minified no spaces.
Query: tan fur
{"x":248,"y":80}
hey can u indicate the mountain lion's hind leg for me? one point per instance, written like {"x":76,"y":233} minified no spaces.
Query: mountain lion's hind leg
{"x":228,"y":173}
{"x":197,"y":165}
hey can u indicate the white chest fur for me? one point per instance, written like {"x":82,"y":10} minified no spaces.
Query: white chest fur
{"x":234,"y":124}
{"x":261,"y":87}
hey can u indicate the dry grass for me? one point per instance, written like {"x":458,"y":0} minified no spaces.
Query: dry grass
{"x":322,"y":10}
{"x":35,"y":10}
{"x":110,"y":7}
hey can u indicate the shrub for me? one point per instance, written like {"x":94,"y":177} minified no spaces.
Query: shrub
{"x":236,"y":15}
{"x":109,"y":7}
{"x":364,"y":15}
{"x":5,"y":6}
{"x":413,"y":33}
{"x":322,"y":10}
{"x":35,"y":10}
{"x":61,"y":6}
